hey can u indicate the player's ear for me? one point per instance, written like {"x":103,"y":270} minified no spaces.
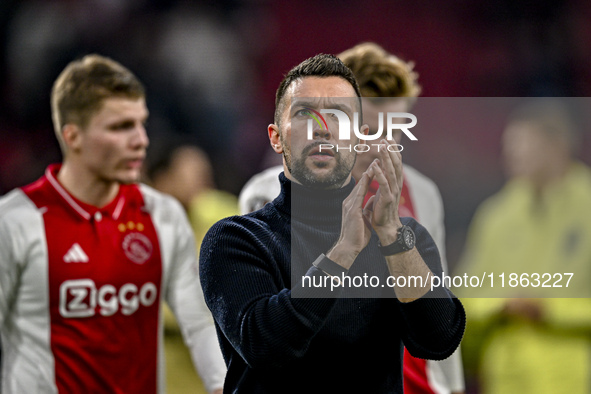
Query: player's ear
{"x":275,"y":138}
{"x":72,"y":136}
{"x":364,"y":130}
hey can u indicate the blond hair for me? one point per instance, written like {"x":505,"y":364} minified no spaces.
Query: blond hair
{"x":379,"y":73}
{"x":79,"y":91}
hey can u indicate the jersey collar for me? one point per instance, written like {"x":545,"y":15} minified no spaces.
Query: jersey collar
{"x":87,"y":211}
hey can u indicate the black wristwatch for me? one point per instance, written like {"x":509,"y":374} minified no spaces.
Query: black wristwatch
{"x":405,"y":241}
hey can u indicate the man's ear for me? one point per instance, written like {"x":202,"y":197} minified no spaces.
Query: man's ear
{"x":72,"y":136}
{"x":274,"y":138}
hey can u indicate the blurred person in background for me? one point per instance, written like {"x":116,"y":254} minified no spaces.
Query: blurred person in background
{"x":184,"y":171}
{"x":394,"y":84}
{"x":87,"y":253}
{"x":539,"y":222}
{"x":260,"y":189}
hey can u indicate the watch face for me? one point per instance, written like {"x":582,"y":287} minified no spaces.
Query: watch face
{"x":409,"y":237}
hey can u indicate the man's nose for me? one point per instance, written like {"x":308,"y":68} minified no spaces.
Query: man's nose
{"x":140,"y":138}
{"x":322,"y":133}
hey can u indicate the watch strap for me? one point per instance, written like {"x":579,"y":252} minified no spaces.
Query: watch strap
{"x":398,"y":246}
{"x":328,"y":266}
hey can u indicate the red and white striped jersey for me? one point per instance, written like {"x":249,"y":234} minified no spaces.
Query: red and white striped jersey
{"x":81,"y":291}
{"x":423,"y":202}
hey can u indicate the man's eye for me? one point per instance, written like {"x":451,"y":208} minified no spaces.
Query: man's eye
{"x":122,"y":126}
{"x":304,"y":112}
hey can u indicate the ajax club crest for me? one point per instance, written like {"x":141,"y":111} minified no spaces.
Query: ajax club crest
{"x":137,"y":247}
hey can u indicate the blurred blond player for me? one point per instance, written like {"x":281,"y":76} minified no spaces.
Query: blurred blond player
{"x":87,"y":254}
{"x":383,"y":75}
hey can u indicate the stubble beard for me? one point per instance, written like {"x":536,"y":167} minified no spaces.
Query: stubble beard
{"x":298,"y":169}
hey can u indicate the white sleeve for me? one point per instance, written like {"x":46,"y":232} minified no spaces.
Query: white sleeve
{"x":8,"y":277}
{"x":428,"y":206}
{"x":451,"y":368}
{"x":10,"y":266}
{"x":447,"y":375}
{"x":429,"y":210}
{"x":185,"y":297}
{"x":438,"y":230}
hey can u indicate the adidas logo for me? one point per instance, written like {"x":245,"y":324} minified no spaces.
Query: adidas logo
{"x":75,"y":255}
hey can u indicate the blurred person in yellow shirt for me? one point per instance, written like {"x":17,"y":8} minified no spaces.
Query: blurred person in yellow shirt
{"x":185,"y":172}
{"x":539,"y":222}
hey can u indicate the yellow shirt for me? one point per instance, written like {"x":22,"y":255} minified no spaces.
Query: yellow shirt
{"x":514,"y":233}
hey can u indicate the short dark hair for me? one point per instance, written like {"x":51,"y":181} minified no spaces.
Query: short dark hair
{"x":321,"y":65}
